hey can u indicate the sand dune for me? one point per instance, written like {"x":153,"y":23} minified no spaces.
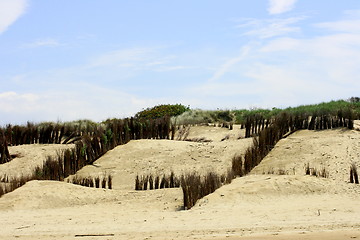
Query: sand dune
{"x":36,"y":195}
{"x":28,"y":157}
{"x":163,"y":156}
{"x":333,"y":150}
{"x":258,"y":206}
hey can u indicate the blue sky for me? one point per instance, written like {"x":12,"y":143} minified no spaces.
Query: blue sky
{"x":65,"y":60}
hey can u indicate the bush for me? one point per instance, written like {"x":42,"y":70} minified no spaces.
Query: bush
{"x":4,"y":151}
{"x":161,"y":111}
{"x":224,"y":116}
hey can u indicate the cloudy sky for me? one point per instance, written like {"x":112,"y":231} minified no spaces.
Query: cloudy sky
{"x":65,"y":60}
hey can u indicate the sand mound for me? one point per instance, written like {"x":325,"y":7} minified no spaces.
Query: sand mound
{"x":29,"y":157}
{"x":158,"y":157}
{"x":57,"y":195}
{"x":216,"y":134}
{"x":251,"y":187}
{"x":53,"y":194}
{"x":334,"y":150}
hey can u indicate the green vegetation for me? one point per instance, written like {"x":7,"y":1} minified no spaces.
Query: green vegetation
{"x":198,"y":116}
{"x":241,"y":116}
{"x":160,"y":111}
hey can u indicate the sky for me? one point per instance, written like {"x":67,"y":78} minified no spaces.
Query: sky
{"x":64,"y":60}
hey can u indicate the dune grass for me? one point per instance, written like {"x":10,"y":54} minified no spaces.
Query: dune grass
{"x":354,"y":178}
{"x":312,"y":171}
{"x":13,"y":183}
{"x":97,"y":182}
{"x":4,"y":151}
{"x":149,"y":182}
{"x":320,"y":116}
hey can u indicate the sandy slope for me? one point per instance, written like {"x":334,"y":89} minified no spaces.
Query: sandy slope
{"x":29,"y":157}
{"x":163,"y":156}
{"x":333,"y":150}
{"x":253,"y":207}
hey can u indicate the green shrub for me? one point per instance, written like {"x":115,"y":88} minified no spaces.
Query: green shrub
{"x":160,"y":111}
{"x":223,"y":116}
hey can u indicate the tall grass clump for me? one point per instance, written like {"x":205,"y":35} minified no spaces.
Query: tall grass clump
{"x":312,"y":171}
{"x":321,"y":116}
{"x":354,"y":178}
{"x":193,"y":185}
{"x":13,"y":183}
{"x":196,"y":187}
{"x":237,"y":166}
{"x":97,"y":182}
{"x":4,"y":151}
{"x":109,"y":182}
{"x":149,"y":182}
{"x":43,"y":133}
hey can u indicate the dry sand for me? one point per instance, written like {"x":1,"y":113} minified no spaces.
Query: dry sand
{"x":258,"y":206}
{"x":29,"y":157}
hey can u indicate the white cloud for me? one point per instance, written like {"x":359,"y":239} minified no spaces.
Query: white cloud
{"x":319,"y":69}
{"x":349,"y":24}
{"x":49,"y":42}
{"x":280,"y":6}
{"x":219,"y":89}
{"x":224,"y":68}
{"x":12,"y":102}
{"x":155,"y":63}
{"x":5,"y":96}
{"x":288,"y":71}
{"x":79,"y":101}
{"x":95,"y":90}
{"x":136,"y":60}
{"x":341,"y":26}
{"x":170,"y":68}
{"x":280,"y":44}
{"x":10,"y":11}
{"x":124,"y":56}
{"x":284,"y":85}
{"x":268,"y":28}
{"x":353,"y":13}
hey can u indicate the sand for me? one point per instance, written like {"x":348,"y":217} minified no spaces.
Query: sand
{"x":29,"y":157}
{"x":258,"y":206}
